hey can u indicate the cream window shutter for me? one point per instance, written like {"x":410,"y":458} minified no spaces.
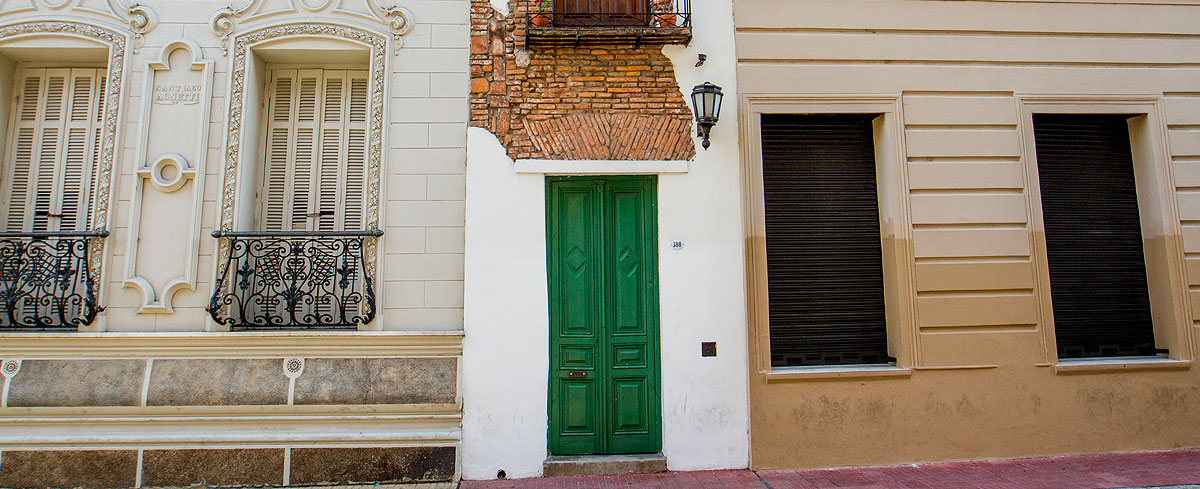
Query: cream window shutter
{"x":53,"y":149}
{"x":316,"y":151}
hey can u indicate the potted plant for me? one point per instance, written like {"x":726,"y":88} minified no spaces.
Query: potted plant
{"x":543,"y":19}
{"x":664,"y":16}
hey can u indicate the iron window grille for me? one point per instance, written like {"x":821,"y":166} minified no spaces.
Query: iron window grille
{"x":46,"y":283}
{"x":294,"y":280}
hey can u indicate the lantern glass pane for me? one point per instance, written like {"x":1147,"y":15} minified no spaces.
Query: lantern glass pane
{"x":717,"y":105}
{"x":710,"y":99}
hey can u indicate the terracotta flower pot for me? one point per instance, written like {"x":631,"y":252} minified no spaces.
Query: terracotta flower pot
{"x":666,"y":20}
{"x":540,"y":20}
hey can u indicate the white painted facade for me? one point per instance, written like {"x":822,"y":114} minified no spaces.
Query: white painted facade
{"x":506,"y":343}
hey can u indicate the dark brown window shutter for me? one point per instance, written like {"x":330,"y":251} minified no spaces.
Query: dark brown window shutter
{"x":1093,"y":236}
{"x":824,"y":258}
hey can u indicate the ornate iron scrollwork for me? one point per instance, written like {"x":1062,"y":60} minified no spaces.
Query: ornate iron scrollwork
{"x":294,"y":280}
{"x":45,"y":281}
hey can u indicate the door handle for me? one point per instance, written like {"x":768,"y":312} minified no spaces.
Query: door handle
{"x":577,"y":374}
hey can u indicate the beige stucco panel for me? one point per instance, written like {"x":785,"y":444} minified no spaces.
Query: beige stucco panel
{"x":982,"y":382}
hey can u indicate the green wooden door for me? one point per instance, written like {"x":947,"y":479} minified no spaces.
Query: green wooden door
{"x":603,"y":273}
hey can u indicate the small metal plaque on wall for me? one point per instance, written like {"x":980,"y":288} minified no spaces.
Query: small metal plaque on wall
{"x":708,"y":349}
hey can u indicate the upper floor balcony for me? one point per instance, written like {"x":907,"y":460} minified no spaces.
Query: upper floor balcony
{"x":46,"y":282}
{"x":607,"y":22}
{"x":294,"y":280}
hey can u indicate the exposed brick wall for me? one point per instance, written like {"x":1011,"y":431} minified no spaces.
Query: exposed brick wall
{"x":589,"y":102}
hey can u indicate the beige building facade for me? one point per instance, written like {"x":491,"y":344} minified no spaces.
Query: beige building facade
{"x":234,"y":233}
{"x":956,"y":98}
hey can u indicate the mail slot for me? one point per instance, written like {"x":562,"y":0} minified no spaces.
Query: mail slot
{"x":575,"y":374}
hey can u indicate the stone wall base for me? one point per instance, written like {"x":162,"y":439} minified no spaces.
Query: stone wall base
{"x":224,"y":467}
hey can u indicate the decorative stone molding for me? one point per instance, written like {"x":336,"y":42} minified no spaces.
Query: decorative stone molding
{"x":168,"y":173}
{"x":8,"y":369}
{"x":399,"y":20}
{"x":116,"y":43}
{"x":259,"y":344}
{"x":293,"y":368}
{"x":141,"y":19}
{"x":242,"y":46}
{"x":224,"y":21}
{"x":57,"y":5}
{"x":176,"y":106}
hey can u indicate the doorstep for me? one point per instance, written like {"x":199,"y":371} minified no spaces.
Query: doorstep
{"x":579,"y":465}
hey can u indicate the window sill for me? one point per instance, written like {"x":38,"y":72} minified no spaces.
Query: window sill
{"x":1118,"y":364}
{"x":836,"y":372}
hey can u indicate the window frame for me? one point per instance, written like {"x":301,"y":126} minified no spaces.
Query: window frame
{"x":1157,"y":207}
{"x":294,"y":44}
{"x":38,"y":41}
{"x":895,"y":231}
{"x":248,"y":84}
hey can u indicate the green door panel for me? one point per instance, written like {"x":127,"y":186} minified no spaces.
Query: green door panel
{"x":604,"y":353}
{"x":575,"y":295}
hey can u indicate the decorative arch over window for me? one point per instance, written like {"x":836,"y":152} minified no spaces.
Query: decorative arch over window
{"x":399,"y":20}
{"x":242,"y":147}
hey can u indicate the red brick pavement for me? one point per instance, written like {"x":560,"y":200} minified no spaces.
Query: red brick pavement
{"x":1077,"y":472}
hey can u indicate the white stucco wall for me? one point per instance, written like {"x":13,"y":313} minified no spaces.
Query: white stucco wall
{"x":506,"y":348}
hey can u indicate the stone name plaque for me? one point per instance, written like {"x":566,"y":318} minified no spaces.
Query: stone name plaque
{"x":164,"y":223}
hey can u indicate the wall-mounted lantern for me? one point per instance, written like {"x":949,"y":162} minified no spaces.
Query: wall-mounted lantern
{"x":706,"y":100}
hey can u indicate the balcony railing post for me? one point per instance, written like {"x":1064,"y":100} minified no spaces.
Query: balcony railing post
{"x":291,"y":280}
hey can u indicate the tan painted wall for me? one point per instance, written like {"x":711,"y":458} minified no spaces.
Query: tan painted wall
{"x":978,"y":376}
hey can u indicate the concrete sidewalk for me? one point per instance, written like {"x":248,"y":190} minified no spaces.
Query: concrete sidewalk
{"x":1176,"y":469}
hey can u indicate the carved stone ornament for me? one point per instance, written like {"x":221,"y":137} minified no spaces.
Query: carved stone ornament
{"x":293,"y":367}
{"x":172,"y":148}
{"x":399,"y":20}
{"x":223,"y":22}
{"x":116,"y":43}
{"x":141,"y":19}
{"x":10,"y":367}
{"x":237,"y":103}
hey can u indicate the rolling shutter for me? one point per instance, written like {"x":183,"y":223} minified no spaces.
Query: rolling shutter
{"x":1093,"y":236}
{"x":824,"y":256}
{"x":54,"y":149}
{"x":316,"y":151}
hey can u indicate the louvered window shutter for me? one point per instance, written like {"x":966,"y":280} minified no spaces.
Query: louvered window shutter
{"x":54,"y":149}
{"x":1098,"y":286}
{"x":316,"y":151}
{"x":824,"y":255}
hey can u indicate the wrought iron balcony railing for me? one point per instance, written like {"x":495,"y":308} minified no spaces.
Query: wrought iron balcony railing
{"x":592,"y":22}
{"x":46,"y":283}
{"x":294,"y":280}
